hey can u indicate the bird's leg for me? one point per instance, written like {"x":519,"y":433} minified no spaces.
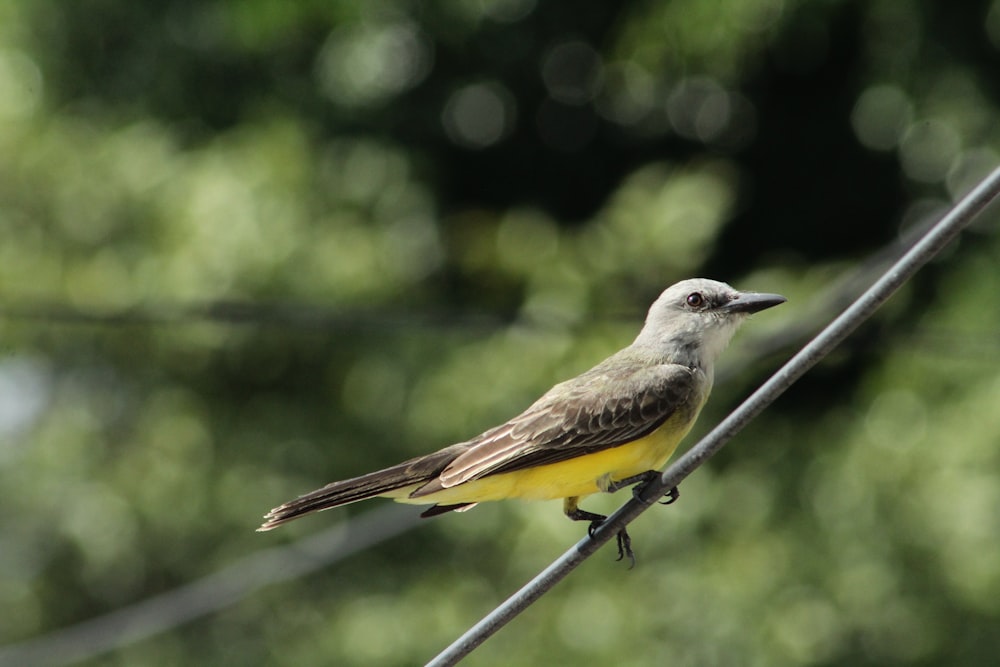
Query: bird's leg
{"x":572,"y":509}
{"x":608,"y":486}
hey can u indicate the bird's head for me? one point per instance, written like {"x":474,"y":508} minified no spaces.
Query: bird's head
{"x":692,"y":321}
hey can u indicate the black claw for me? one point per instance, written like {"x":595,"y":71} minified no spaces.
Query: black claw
{"x":625,"y":547}
{"x":672,"y":496}
{"x":640,"y":482}
{"x":622,"y":537}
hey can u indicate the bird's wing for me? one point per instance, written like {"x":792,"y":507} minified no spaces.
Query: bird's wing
{"x":603,"y":408}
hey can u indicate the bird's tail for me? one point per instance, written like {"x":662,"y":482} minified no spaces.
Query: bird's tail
{"x":412,"y":473}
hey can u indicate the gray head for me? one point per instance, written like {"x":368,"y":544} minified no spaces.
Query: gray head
{"x":692,"y":321}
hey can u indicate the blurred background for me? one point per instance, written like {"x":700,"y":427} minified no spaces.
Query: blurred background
{"x":247,"y":248}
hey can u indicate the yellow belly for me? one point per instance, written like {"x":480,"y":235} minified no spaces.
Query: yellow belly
{"x":580,"y":476}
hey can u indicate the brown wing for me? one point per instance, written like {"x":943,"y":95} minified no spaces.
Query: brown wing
{"x":605,"y":407}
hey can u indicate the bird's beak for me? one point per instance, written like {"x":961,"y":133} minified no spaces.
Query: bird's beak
{"x":752,"y":302}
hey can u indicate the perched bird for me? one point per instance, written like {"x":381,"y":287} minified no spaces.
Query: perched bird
{"x":612,"y":426}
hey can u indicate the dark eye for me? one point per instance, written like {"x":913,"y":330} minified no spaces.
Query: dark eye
{"x":695,"y":300}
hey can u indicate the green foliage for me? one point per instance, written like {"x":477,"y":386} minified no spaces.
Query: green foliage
{"x":249,"y":248}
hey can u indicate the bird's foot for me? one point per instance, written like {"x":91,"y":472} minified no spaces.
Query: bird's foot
{"x":609,"y":485}
{"x":625,"y":547}
{"x":640,"y":481}
{"x":622,"y":538}
{"x":671,"y":496}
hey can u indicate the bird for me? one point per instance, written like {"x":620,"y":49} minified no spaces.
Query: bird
{"x":610,"y":427}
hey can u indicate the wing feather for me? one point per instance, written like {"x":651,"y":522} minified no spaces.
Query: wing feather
{"x":608,"y":406}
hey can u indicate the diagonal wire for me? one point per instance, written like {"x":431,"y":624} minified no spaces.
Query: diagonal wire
{"x":935,"y":238}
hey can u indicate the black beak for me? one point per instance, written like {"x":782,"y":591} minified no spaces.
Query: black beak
{"x":751,"y":302}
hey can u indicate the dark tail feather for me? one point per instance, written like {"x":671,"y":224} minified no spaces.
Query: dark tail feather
{"x":437,"y":510}
{"x":415,"y":471}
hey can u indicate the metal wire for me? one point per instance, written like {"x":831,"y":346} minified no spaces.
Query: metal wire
{"x":933,"y":240}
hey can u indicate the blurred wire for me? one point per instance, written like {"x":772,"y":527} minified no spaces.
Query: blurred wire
{"x":304,"y":317}
{"x":837,"y":296}
{"x":930,"y":243}
{"x":281,"y":315}
{"x":212,"y":593}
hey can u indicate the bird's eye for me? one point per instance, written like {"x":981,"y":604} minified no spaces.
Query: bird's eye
{"x":695,"y":300}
